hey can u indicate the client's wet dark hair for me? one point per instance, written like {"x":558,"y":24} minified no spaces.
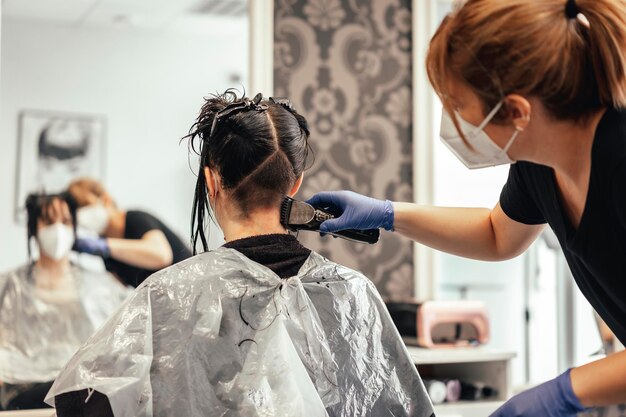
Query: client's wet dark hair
{"x":258,"y":147}
{"x":38,"y":206}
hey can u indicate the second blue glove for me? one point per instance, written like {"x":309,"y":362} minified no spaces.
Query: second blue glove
{"x":94,"y":246}
{"x":554,"y":398}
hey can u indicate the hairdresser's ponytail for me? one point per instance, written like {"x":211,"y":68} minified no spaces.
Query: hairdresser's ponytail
{"x":607,"y":35}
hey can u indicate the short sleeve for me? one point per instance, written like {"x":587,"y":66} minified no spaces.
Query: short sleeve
{"x":516,"y":199}
{"x":140,"y":223}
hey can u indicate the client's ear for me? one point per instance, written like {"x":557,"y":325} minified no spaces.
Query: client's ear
{"x":211,"y":180}
{"x":296,"y":186}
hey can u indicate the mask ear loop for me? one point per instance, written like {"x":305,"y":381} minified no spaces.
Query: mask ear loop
{"x":518,"y":130}
{"x":491,"y":115}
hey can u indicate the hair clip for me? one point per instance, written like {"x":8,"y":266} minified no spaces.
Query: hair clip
{"x":242,"y":105}
{"x":256,"y":100}
{"x":284,"y":102}
{"x":573,"y":12}
{"x":288,"y":105}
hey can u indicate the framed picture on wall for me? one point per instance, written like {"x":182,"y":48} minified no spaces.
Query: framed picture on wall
{"x":55,"y":148}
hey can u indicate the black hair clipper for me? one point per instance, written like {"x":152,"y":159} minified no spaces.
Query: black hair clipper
{"x":297,"y":215}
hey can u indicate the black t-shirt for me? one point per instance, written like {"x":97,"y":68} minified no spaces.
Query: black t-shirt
{"x":596,"y":251}
{"x":138,"y":223}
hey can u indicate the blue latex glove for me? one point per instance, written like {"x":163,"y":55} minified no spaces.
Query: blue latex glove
{"x":554,"y":398}
{"x":358,"y":211}
{"x":95,"y":246}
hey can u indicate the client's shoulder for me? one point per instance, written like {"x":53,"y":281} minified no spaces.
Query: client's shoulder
{"x":318,"y":266}
{"x":204,"y":266}
{"x":21,"y":272}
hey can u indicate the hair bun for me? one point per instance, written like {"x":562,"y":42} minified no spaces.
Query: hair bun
{"x":238,"y":106}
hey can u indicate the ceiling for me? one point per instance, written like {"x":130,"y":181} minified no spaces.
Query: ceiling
{"x":152,"y":14}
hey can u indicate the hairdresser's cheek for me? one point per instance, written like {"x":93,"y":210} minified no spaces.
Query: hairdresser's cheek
{"x":498,"y":134}
{"x":471,"y":115}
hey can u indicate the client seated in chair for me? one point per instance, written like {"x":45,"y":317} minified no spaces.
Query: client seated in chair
{"x":48,"y":308}
{"x":261,"y":326}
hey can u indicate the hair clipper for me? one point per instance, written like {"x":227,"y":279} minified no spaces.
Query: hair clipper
{"x":297,"y":215}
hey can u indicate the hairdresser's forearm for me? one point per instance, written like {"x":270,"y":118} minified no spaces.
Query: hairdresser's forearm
{"x":143,"y":253}
{"x":602,"y":382}
{"x":477,"y":233}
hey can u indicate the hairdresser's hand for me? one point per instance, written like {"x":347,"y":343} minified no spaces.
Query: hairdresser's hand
{"x":95,"y":246}
{"x":358,"y":211}
{"x":554,"y":398}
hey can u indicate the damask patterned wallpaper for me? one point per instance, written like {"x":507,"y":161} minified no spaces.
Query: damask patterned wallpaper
{"x":346,"y":65}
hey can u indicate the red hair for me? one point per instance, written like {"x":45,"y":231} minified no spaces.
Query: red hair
{"x":530,"y":47}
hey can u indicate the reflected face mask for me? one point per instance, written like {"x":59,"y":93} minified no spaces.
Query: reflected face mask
{"x":93,"y":217}
{"x":56,"y":240}
{"x":484,"y":152}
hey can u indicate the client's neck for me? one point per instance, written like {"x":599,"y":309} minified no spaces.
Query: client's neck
{"x":54,"y":269}
{"x":259,"y":222}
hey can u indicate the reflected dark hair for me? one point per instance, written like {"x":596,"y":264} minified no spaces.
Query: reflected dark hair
{"x":258,"y":147}
{"x":38,"y":205}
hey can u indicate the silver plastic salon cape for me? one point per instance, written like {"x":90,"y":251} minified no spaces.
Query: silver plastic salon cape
{"x":221,"y":335}
{"x":44,"y":322}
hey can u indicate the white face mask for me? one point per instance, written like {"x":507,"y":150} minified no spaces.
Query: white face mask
{"x":56,"y":240}
{"x":485,"y":152}
{"x":93,"y":217}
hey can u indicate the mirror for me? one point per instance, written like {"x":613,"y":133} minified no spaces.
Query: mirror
{"x":103,"y":89}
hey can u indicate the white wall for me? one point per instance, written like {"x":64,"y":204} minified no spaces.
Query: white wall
{"x":149,"y":85}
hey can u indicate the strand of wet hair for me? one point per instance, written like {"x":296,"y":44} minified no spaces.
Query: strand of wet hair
{"x":277,"y":312}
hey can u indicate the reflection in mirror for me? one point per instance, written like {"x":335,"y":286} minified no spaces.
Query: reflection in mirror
{"x":96,"y":94}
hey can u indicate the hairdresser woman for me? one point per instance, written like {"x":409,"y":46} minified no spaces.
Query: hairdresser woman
{"x":133,"y":244}
{"x":540,"y":85}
